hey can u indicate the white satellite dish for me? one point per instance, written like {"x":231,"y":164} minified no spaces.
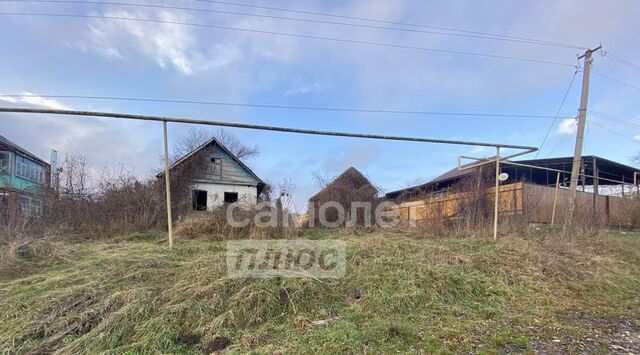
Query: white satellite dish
{"x":503,"y":177}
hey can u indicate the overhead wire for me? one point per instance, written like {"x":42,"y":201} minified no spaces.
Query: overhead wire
{"x":564,"y":98}
{"x":616,"y":80}
{"x":615,"y":132}
{"x":183,"y":8}
{"x":288,"y":34}
{"x":311,"y":108}
{"x":614,"y":119}
{"x":399,"y":23}
{"x":609,"y":55}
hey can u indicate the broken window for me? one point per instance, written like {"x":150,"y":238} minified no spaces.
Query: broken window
{"x":230,"y":197}
{"x":199,"y":200}
{"x":215,"y":168}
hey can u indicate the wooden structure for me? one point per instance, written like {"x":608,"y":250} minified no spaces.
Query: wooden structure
{"x":535,"y":189}
{"x":213,"y":176}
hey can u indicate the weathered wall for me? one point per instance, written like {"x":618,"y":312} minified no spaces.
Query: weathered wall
{"x":247,"y":195}
{"x":535,"y":202}
{"x":448,"y":205}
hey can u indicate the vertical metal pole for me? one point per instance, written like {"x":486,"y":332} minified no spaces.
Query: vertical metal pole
{"x":582,"y":120}
{"x":497,"y":197}
{"x":555,"y":198}
{"x":167,"y":183}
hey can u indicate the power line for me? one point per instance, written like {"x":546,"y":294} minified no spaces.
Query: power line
{"x":390,"y":45}
{"x":616,"y":80}
{"x":562,"y":138}
{"x":557,"y":112}
{"x":310,"y":108}
{"x":259,"y":127}
{"x":614,"y":132}
{"x":316,"y":13}
{"x":614,"y":119}
{"x":620,"y":60}
{"x":479,"y":36}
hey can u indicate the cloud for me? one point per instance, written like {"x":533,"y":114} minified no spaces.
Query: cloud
{"x":567,"y":126}
{"x":35,"y":100}
{"x":164,"y":43}
{"x":301,"y":89}
{"x":637,"y":137}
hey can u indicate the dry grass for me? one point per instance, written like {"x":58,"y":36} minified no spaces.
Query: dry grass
{"x":402,"y":293}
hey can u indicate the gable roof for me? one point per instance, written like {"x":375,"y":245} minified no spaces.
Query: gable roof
{"x":8,"y":144}
{"x":206,"y":144}
{"x":350,"y":178}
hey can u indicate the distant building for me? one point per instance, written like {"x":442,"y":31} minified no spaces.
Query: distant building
{"x":23,"y":180}
{"x":213,"y":176}
{"x":537,"y":189}
{"x":349,"y":187}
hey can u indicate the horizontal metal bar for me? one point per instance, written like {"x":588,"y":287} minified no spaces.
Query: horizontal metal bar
{"x":486,"y":160}
{"x":260,"y":127}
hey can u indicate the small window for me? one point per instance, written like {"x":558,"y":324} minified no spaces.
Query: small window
{"x":230,"y":197}
{"x":215,"y":168}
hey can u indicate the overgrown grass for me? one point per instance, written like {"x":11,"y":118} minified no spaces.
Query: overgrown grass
{"x":401,"y":293}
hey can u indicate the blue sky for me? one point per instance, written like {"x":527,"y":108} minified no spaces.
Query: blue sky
{"x":65,"y":56}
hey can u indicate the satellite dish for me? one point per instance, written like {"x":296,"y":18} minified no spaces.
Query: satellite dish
{"x":503,"y":177}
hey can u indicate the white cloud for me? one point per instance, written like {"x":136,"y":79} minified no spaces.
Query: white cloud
{"x":567,"y":126}
{"x":164,"y":43}
{"x":34,"y":100}
{"x":637,"y":137}
{"x":303,"y":89}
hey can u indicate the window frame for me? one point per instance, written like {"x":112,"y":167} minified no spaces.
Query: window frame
{"x":29,"y":170}
{"x":9,"y":167}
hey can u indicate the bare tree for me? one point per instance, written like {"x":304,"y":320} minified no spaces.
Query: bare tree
{"x":321,"y":179}
{"x":197,"y":137}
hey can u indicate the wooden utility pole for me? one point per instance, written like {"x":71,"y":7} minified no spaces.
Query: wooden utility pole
{"x":167,"y":183}
{"x":582,"y":121}
{"x":497,"y":196}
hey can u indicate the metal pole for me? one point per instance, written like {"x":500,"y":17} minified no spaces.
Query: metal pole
{"x":582,"y":120}
{"x":261,"y":127}
{"x":497,"y":197}
{"x":167,"y":183}
{"x":555,"y":198}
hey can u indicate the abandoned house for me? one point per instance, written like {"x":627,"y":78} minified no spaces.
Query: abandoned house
{"x":537,"y":189}
{"x":211,"y":176}
{"x":350,"y":186}
{"x":23,"y":179}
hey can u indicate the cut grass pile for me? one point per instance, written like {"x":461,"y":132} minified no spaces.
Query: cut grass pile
{"x":400,"y":293}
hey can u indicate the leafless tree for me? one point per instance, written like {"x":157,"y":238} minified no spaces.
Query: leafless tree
{"x":321,"y":179}
{"x":196,"y":137}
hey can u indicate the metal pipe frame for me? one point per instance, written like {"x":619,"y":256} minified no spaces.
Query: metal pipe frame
{"x":165,"y":120}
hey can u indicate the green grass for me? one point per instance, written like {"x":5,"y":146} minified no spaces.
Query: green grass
{"x":429,"y":295}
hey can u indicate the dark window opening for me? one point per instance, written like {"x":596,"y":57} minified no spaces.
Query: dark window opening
{"x":199,"y":200}
{"x":230,"y":197}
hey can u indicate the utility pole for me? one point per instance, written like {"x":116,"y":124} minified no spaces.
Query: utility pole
{"x":582,"y":121}
{"x":167,"y":183}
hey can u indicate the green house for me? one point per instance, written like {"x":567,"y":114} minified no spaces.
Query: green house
{"x":23,"y":179}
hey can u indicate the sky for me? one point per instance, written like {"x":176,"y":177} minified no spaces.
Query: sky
{"x":109,"y":57}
